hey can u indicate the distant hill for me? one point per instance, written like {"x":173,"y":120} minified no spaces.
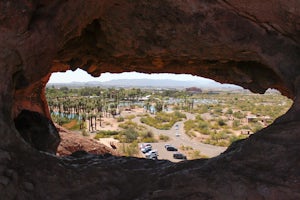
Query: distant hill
{"x":150,"y":83}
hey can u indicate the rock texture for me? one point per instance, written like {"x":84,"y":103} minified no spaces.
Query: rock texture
{"x":254,"y":44}
{"x":38,"y":131}
{"x":72,"y":142}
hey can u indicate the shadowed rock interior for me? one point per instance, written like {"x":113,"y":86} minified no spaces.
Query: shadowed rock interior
{"x":253,"y":44}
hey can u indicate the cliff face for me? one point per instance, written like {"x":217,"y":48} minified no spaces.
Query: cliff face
{"x":249,"y":43}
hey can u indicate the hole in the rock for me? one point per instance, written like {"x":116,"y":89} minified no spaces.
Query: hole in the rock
{"x":38,"y":131}
{"x":156,"y":116}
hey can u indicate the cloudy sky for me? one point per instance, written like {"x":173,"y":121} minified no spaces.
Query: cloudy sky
{"x":82,"y":76}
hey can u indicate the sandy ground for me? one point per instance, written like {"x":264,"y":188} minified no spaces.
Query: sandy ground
{"x":109,"y":142}
{"x":110,"y":123}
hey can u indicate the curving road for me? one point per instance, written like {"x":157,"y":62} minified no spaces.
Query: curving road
{"x":178,"y":138}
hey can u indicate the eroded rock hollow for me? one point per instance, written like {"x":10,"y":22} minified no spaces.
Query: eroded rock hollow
{"x":254,"y":44}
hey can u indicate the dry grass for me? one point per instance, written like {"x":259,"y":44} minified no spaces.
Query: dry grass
{"x":70,"y":125}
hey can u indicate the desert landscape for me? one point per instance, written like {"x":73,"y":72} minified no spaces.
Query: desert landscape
{"x":253,"y":44}
{"x":198,"y":124}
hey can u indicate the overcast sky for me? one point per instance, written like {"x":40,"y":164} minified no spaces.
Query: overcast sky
{"x":82,"y":76}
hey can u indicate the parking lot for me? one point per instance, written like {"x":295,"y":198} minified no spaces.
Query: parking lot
{"x":163,"y":153}
{"x":177,"y":138}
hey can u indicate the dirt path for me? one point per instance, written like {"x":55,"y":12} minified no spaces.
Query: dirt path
{"x":176,"y":134}
{"x":181,"y":139}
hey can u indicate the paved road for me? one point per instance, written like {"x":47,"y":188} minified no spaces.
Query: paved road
{"x":182,"y":139}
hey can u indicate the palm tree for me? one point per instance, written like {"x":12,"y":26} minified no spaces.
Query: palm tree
{"x":147,"y":105}
{"x":158,"y":106}
{"x":113,"y":109}
{"x":83,"y":121}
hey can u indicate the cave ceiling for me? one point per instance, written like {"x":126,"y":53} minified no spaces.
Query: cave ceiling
{"x":254,"y":44}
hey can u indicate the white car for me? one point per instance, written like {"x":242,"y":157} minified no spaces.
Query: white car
{"x":151,"y":154}
{"x":146,"y":149}
{"x":143,"y":145}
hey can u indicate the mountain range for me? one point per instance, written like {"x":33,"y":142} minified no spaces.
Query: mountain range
{"x":150,"y":83}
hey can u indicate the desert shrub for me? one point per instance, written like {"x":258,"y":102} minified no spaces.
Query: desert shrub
{"x":218,"y":110}
{"x":210,"y":141}
{"x":105,"y":134}
{"x":222,"y":143}
{"x":149,"y":140}
{"x":190,"y":134}
{"x":239,"y":115}
{"x":185,"y":148}
{"x":176,"y":107}
{"x":162,"y":120}
{"x":199,"y":118}
{"x":205,"y":131}
{"x":226,"y":131}
{"x":236,"y":124}
{"x":202,"y":125}
{"x":120,"y":119}
{"x":164,"y":137}
{"x":147,"y":137}
{"x":98,"y":136}
{"x":73,"y":124}
{"x":195,"y":154}
{"x":256,"y":127}
{"x":131,"y":149}
{"x":132,"y":106}
{"x":214,"y":126}
{"x":142,"y":115}
{"x":189,"y":125}
{"x":246,"y":127}
{"x":221,"y":122}
{"x":198,"y":125}
{"x":60,"y":119}
{"x":219,"y":135}
{"x":234,"y":138}
{"x":202,"y":109}
{"x":130,"y":117}
{"x":132,"y":132}
{"x":229,"y":111}
{"x":129,"y":135}
{"x":147,"y":120}
{"x":84,"y":132}
{"x":179,"y":115}
{"x":127,"y":124}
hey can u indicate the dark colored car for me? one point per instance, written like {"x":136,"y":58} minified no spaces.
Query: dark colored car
{"x":171,"y":148}
{"x":179,"y":156}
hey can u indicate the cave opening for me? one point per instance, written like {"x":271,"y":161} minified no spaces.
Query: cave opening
{"x":145,"y":116}
{"x":254,"y":44}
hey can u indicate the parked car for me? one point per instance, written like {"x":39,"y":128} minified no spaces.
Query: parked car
{"x":171,"y":148}
{"x":179,"y":156}
{"x":146,"y":149}
{"x":143,"y":145}
{"x":153,"y":157}
{"x":167,"y":145}
{"x":151,"y":154}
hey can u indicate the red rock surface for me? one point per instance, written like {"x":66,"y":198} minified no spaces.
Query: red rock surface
{"x":254,"y":44}
{"x":72,"y":142}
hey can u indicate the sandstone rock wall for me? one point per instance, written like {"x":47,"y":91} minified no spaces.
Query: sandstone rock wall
{"x":254,"y":44}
